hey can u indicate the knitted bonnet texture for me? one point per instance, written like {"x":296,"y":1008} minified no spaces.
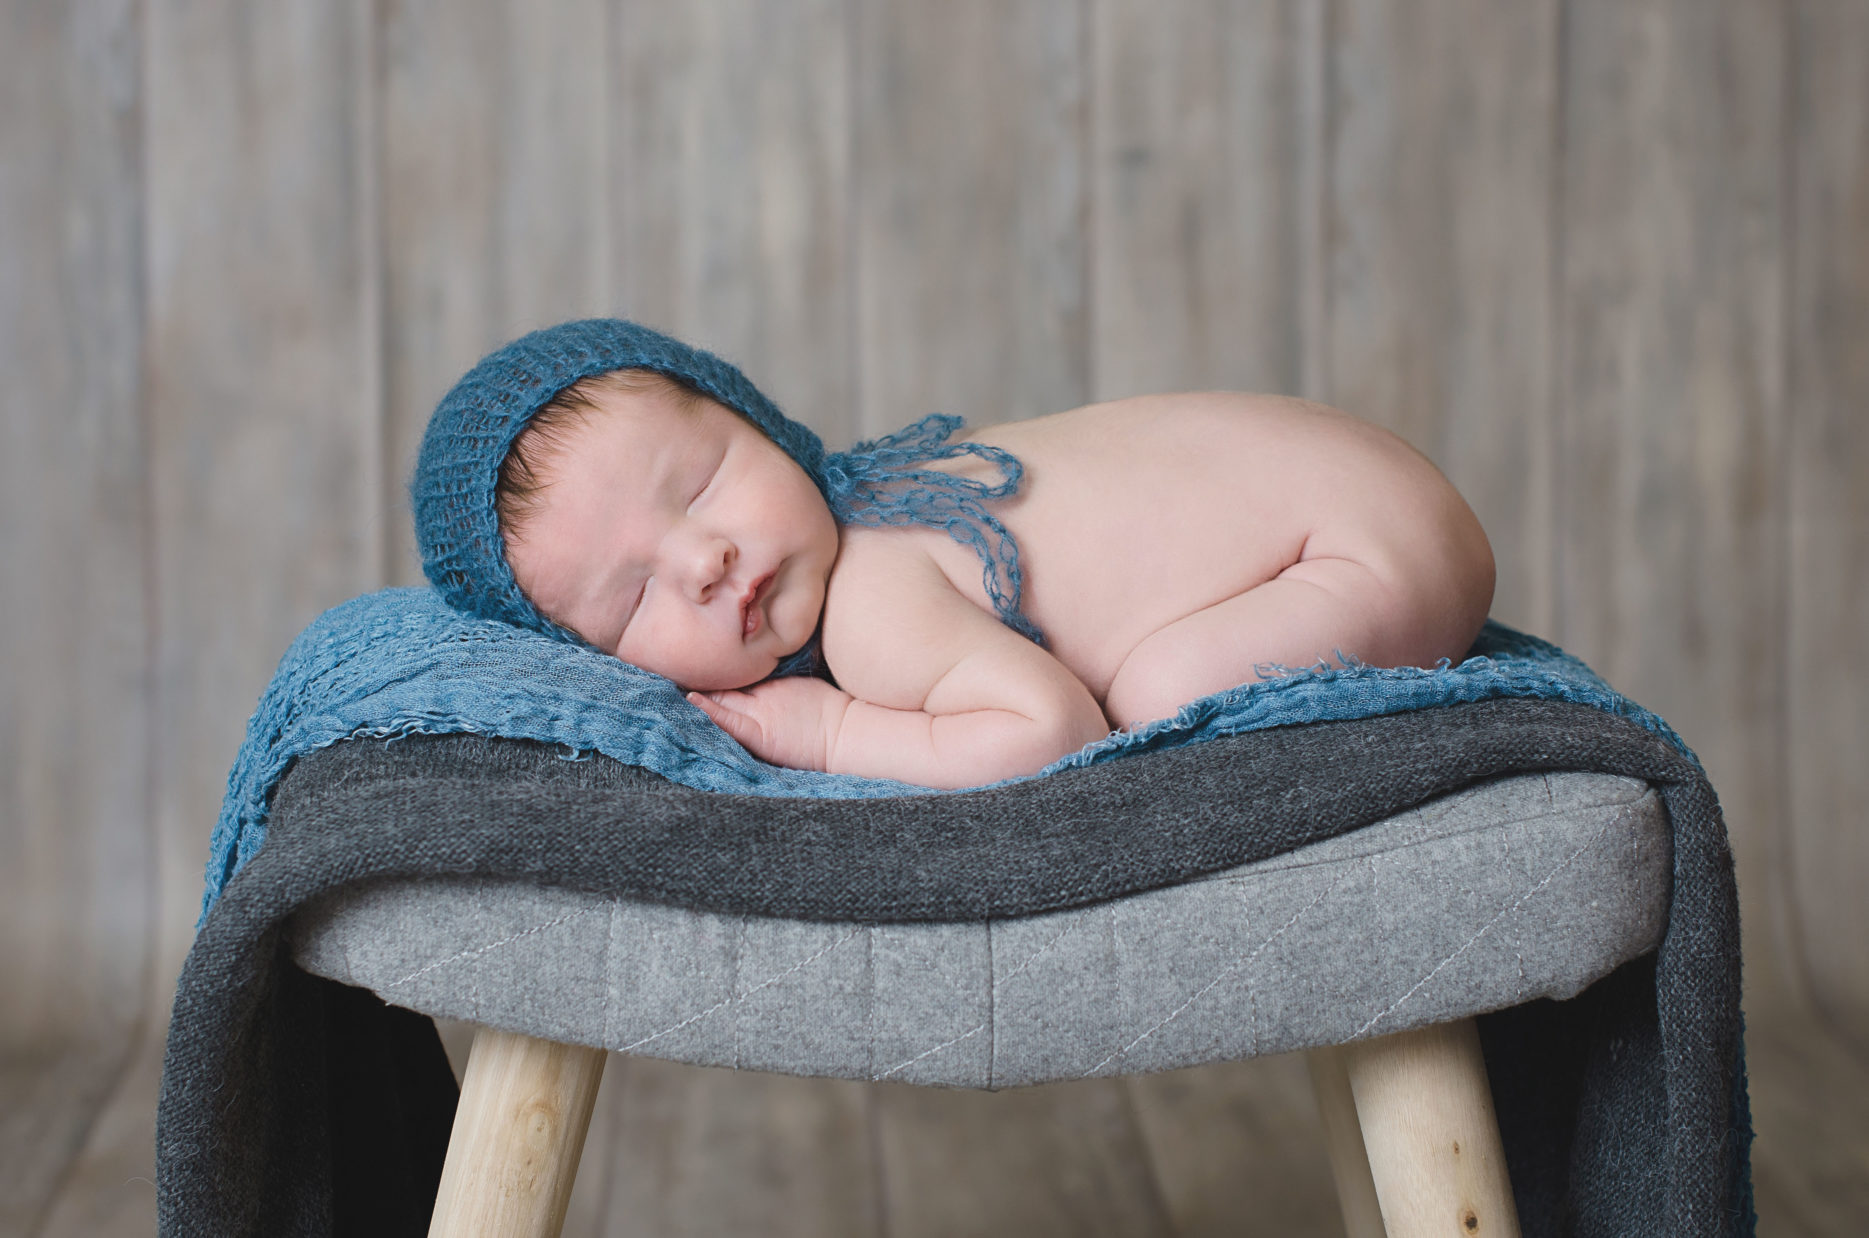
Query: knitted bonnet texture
{"x":874,"y":483}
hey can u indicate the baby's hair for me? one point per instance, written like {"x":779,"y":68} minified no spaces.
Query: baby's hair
{"x":522,"y":481}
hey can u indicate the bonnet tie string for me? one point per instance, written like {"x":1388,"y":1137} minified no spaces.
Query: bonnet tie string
{"x":875,"y":483}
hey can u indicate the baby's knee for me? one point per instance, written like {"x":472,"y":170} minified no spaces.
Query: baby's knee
{"x":1163,"y":673}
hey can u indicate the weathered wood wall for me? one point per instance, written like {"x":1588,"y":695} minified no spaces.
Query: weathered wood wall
{"x":1606,"y":261}
{"x":75,"y":602}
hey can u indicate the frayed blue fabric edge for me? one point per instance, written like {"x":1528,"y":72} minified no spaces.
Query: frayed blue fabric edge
{"x":399,"y":662}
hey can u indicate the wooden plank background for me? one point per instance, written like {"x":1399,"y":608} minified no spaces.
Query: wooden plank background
{"x":75,"y":842}
{"x":1606,"y":261}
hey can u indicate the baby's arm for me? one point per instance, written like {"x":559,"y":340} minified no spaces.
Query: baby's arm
{"x":940,"y":693}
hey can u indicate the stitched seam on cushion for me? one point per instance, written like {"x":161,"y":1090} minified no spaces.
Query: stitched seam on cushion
{"x":1076,"y":923}
{"x":610,"y":955}
{"x":1237,"y":963}
{"x":1486,"y":928}
{"x":728,"y":1001}
{"x":871,"y":939}
{"x":1252,"y":1016}
{"x":477,"y":951}
{"x":924,"y":1053}
{"x":739,"y":962}
{"x":992,"y":1003}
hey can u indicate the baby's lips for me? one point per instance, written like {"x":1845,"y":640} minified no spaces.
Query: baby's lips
{"x":751,"y":618}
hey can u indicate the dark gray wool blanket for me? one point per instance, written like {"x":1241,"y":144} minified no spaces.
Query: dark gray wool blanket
{"x":293,"y":1105}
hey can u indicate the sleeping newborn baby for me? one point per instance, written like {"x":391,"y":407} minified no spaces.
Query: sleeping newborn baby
{"x":1167,"y":547}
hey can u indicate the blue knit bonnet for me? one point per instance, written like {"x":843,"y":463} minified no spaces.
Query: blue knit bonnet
{"x":874,"y":483}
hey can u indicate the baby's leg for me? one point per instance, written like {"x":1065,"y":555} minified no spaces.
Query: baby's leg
{"x":1310,"y":611}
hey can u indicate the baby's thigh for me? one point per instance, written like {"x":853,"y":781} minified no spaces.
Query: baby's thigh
{"x":1317,"y":610}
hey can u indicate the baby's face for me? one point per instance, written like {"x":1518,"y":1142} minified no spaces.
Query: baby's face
{"x":682,"y":540}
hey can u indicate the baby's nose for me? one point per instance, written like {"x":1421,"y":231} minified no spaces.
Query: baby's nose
{"x":712,"y":560}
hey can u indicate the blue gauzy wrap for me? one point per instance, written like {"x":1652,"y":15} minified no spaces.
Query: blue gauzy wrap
{"x":874,"y":483}
{"x":401,"y":662}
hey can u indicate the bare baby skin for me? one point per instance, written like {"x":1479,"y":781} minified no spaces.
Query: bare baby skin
{"x":1172,"y":546}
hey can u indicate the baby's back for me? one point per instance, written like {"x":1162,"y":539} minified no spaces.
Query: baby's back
{"x":1137,"y":514}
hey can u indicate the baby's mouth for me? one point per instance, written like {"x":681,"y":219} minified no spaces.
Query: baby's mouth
{"x":750,"y":618}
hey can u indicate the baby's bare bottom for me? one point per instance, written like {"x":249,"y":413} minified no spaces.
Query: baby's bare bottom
{"x":1313,"y":610}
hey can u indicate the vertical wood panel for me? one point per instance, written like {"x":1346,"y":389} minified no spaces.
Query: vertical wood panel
{"x":1198,"y":237}
{"x":109,"y":1191}
{"x":1238,"y":1150}
{"x":1055,"y":1159}
{"x":970,"y":236}
{"x":493,"y":183}
{"x":731,"y":181}
{"x":263,"y":377}
{"x":262,"y":389}
{"x":1827,"y":731}
{"x":74,"y":829}
{"x":1440,"y":245}
{"x":1810,"y":1159}
{"x":1672,"y":572}
{"x":703,"y":1150}
{"x":262,"y":371}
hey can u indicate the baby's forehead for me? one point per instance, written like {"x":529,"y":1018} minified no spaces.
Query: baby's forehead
{"x":581,"y":413}
{"x":642,"y":428}
{"x":635,"y":395}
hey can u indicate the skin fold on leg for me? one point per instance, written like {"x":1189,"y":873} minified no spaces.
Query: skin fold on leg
{"x":1312,"y":611}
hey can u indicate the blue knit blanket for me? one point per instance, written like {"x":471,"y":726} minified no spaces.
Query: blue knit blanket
{"x":401,"y":662}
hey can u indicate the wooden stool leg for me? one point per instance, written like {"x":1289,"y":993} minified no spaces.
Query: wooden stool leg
{"x":1349,"y":1164}
{"x":1433,"y":1140}
{"x":518,"y":1133}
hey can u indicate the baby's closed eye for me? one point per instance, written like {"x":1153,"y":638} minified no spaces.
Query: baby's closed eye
{"x":706,"y":484}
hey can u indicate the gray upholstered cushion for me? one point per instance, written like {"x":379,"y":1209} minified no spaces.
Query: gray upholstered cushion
{"x":1526,"y":887}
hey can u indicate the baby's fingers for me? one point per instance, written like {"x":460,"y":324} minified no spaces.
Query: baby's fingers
{"x":725,"y":698}
{"x":711,"y":704}
{"x":742,"y":726}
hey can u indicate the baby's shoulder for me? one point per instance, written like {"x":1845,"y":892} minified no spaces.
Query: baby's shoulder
{"x":884,"y":591}
{"x":877,"y":573}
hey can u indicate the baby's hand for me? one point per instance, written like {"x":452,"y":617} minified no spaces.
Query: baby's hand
{"x":792,"y":721}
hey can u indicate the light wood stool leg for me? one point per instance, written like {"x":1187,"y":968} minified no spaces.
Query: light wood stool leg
{"x":525,"y":1107}
{"x":1349,"y":1164}
{"x":1430,"y":1133}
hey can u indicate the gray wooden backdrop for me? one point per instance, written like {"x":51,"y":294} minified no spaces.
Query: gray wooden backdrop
{"x":1606,"y":261}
